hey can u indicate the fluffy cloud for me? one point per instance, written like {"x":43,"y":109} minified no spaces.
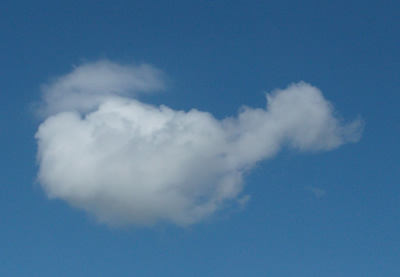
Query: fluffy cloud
{"x":127,"y":162}
{"x":90,"y":84}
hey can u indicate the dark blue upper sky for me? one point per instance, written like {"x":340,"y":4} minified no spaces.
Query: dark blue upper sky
{"x":330,"y":213}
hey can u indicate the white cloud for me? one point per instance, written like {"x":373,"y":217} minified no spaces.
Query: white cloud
{"x":127,"y":162}
{"x":88,"y":85}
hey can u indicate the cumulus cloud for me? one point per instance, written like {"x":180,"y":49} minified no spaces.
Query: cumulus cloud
{"x":127,"y":162}
{"x":90,"y":84}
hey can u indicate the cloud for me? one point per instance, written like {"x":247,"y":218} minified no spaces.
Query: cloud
{"x":317,"y":192}
{"x":127,"y":162}
{"x":85,"y":88}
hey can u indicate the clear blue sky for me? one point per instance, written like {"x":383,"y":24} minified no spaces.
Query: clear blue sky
{"x":318,"y":213}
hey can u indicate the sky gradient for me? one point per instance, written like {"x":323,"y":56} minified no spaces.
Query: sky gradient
{"x":270,"y":133}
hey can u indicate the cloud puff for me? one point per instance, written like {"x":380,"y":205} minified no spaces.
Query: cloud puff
{"x":85,"y":88}
{"x":127,"y":162}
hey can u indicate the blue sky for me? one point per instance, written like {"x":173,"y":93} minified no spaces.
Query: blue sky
{"x":320,"y":206}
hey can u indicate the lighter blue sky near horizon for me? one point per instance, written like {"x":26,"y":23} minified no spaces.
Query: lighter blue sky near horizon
{"x":328,"y":213}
